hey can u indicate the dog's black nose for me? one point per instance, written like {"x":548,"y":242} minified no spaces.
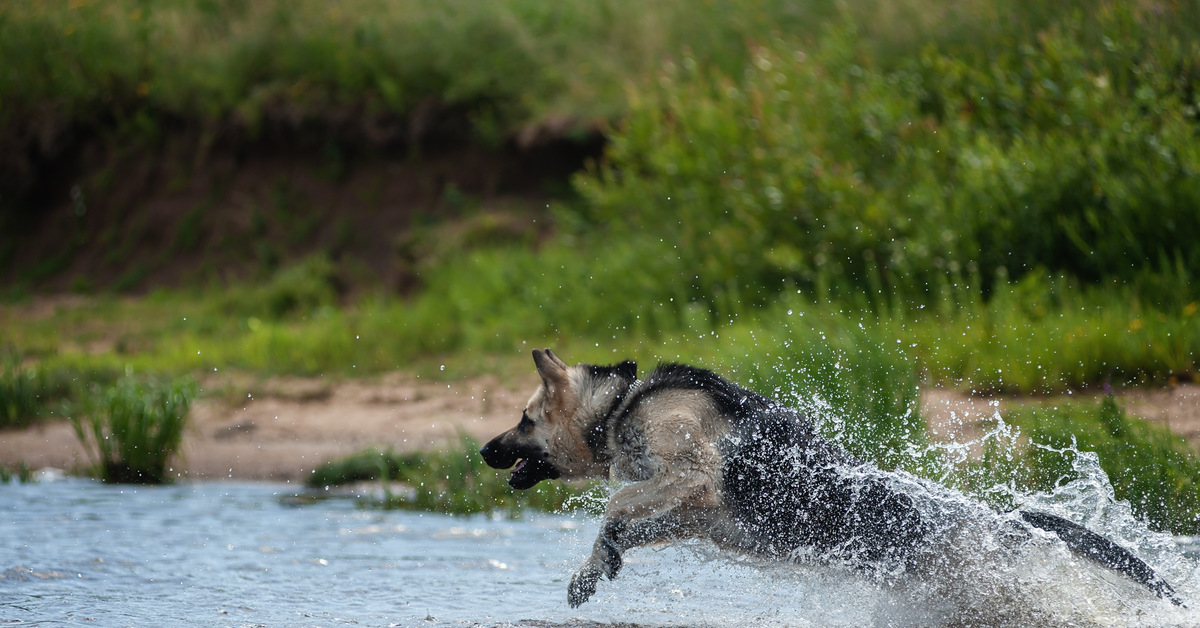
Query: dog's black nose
{"x":498,"y":456}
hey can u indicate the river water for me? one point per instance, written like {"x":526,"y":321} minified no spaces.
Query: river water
{"x":79,"y":553}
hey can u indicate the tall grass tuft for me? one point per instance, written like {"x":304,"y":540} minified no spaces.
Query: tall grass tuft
{"x":134,"y":429}
{"x":18,"y":394}
{"x":30,"y":392}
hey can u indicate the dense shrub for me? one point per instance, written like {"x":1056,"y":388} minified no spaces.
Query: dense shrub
{"x":815,"y":167}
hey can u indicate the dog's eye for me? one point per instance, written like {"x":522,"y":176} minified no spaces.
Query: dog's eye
{"x":526,"y":423}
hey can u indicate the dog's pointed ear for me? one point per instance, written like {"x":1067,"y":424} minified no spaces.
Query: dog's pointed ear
{"x":628,"y":369}
{"x":552,"y":370}
{"x":556,"y":359}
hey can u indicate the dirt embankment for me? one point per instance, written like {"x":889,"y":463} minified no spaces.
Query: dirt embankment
{"x":193,"y":210}
{"x":286,"y":427}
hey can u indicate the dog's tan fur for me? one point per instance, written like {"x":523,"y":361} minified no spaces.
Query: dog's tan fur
{"x":668,"y":453}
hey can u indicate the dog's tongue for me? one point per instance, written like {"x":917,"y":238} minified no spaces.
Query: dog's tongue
{"x":520,"y":465}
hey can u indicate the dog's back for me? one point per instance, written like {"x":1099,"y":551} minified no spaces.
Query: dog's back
{"x":786,"y":488}
{"x":790,"y":488}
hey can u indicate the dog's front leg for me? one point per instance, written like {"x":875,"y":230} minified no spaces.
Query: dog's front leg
{"x":640,"y":514}
{"x":605,"y":560}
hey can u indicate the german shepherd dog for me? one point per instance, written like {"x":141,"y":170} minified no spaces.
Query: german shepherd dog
{"x":705,"y":458}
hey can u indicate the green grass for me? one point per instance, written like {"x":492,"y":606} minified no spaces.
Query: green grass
{"x":1038,"y":335}
{"x":817,"y":167}
{"x":1051,"y":335}
{"x":140,"y":66}
{"x":133,"y":429}
{"x":135,"y":71}
{"x":29,"y":392}
{"x":22,"y":474}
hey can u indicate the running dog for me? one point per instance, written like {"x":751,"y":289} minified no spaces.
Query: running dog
{"x":705,"y":458}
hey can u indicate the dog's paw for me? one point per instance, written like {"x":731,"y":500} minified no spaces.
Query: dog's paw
{"x":583,"y":585}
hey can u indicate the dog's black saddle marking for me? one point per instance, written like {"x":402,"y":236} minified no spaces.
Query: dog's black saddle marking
{"x":1088,"y":544}
{"x":790,"y":489}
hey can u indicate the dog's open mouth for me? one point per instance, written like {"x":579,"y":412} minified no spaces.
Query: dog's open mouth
{"x":530,"y":471}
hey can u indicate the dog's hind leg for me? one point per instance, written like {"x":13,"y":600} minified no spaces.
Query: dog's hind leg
{"x":1086,"y":543}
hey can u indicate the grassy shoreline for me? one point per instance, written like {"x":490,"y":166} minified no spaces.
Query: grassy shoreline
{"x":785,"y":194}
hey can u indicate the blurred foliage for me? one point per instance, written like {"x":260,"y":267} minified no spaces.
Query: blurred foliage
{"x":33,"y":391}
{"x":134,"y":428}
{"x":814,"y":167}
{"x":22,"y":474}
{"x":296,"y":290}
{"x":143,"y":66}
{"x":453,"y":481}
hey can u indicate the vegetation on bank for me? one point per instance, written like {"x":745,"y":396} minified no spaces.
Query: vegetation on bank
{"x":140,"y":69}
{"x":133,"y":429}
{"x":998,"y":197}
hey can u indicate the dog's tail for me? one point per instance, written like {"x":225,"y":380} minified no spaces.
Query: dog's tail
{"x":1088,"y":544}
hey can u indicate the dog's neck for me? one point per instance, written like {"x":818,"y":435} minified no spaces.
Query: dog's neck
{"x":601,"y":424}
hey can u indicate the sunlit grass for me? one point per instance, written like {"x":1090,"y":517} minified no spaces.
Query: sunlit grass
{"x":1045,"y":335}
{"x":1036,"y":336}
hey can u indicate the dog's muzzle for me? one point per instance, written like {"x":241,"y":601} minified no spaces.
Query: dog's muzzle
{"x":531,"y":466}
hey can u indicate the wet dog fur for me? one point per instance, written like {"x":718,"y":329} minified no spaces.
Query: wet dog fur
{"x":704,"y":458}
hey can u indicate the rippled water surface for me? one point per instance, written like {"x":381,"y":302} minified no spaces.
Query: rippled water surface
{"x":75,"y":552}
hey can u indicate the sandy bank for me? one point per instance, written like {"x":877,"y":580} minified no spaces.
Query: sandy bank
{"x":281,"y":429}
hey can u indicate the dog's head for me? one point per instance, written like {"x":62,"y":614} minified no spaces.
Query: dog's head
{"x":551,"y":441}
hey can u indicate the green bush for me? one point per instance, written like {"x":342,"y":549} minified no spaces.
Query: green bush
{"x":294,"y":290}
{"x":133,"y":429}
{"x":815,"y":167}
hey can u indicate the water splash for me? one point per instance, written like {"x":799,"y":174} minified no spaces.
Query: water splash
{"x":987,"y":568}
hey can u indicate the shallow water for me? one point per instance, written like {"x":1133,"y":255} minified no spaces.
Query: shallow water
{"x":75,"y":552}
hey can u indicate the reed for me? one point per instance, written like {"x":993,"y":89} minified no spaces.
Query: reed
{"x":134,"y":428}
